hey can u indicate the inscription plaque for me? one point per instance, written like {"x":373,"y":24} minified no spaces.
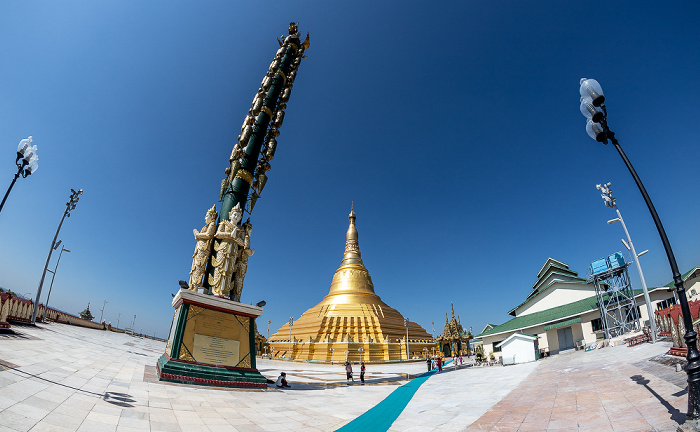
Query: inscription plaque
{"x":215,"y":350}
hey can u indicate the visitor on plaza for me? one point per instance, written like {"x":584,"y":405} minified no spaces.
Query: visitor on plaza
{"x":282,"y":380}
{"x":439,"y":363}
{"x":348,"y":370}
{"x":362,"y":372}
{"x":429,"y":361}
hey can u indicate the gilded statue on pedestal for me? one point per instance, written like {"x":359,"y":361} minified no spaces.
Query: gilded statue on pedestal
{"x":230,"y":236}
{"x":202,"y":249}
{"x":242,"y":263}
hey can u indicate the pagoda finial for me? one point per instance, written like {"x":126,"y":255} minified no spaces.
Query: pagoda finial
{"x":453,"y":309}
{"x":446,"y":319}
{"x":352,"y":245}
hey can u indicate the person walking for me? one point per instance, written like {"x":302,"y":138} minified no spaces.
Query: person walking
{"x":362,"y":372}
{"x":348,"y":371}
{"x":429,"y":364}
{"x":439,"y":364}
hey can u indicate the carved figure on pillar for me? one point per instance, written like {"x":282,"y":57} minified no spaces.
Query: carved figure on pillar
{"x":230,"y":237}
{"x":203,"y":249}
{"x":242,"y":263}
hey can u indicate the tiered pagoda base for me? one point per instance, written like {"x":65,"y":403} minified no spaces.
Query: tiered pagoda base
{"x":211,"y":342}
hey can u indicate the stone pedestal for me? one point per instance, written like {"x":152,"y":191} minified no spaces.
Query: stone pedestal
{"x":211,"y":342}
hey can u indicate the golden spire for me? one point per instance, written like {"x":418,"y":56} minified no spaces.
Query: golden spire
{"x":352,"y":246}
{"x":352,"y":277}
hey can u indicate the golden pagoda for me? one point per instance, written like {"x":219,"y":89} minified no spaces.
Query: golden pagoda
{"x":351,"y":322}
{"x":454,"y":340}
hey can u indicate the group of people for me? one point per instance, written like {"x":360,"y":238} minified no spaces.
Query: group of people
{"x":438,"y":362}
{"x":282,"y":379}
{"x":348,"y":371}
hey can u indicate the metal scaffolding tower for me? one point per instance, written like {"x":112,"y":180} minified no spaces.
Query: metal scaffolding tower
{"x":618,"y":308}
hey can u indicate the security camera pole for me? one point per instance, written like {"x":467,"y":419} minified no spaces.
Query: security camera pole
{"x":70,"y":205}
{"x":612,"y":202}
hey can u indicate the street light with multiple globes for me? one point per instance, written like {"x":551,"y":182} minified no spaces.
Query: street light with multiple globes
{"x":593,"y":108}
{"x":27,"y":163}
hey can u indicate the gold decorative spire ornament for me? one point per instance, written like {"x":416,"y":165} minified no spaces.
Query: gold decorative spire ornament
{"x":351,"y":322}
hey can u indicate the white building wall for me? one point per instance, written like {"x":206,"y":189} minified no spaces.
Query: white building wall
{"x":556,"y":295}
{"x":523,"y":350}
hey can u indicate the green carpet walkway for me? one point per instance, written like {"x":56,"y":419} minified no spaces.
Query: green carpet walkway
{"x":382,"y":415}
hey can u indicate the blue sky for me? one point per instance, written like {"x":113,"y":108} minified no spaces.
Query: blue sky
{"x":454,"y":128}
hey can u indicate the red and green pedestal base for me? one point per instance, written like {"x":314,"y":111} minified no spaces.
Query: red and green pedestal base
{"x":212,"y":342}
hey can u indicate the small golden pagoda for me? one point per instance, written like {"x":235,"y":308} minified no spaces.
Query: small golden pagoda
{"x":454,"y":340}
{"x":351,"y":322}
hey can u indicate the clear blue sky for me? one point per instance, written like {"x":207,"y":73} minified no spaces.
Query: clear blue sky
{"x":454,"y":127}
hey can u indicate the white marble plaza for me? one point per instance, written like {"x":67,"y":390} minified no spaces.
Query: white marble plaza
{"x":57,"y":377}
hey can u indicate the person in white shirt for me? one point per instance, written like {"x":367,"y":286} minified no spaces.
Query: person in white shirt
{"x":282,"y":380}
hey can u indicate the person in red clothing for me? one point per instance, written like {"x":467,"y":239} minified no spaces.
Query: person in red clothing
{"x":439,"y":364}
{"x":362,"y":372}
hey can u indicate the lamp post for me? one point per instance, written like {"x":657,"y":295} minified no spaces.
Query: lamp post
{"x":425,"y":350}
{"x":102,"y":311}
{"x":132,"y":323}
{"x":593,"y":107}
{"x":268,"y":328}
{"x":332,"y":350}
{"x":612,"y":202}
{"x":405,"y":323}
{"x":70,"y":205}
{"x":53,"y":273}
{"x":432,"y":323}
{"x":291,"y":323}
{"x":120,"y":315}
{"x":360,"y":350}
{"x":27,"y":163}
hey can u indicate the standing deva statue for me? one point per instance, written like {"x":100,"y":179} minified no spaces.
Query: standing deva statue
{"x":242,"y":263}
{"x":203,"y":249}
{"x":223,"y":260}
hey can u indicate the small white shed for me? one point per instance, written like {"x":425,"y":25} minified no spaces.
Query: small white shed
{"x":518,"y":348}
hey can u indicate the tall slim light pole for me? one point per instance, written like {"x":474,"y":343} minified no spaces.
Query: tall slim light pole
{"x":27,"y":163}
{"x":405,"y":323}
{"x":612,"y":202}
{"x":70,"y":205}
{"x":432,"y":323}
{"x":291,"y":323}
{"x":53,"y":273}
{"x":268,"y":328}
{"x":593,"y":107}
{"x":120,"y":315}
{"x":102,"y":311}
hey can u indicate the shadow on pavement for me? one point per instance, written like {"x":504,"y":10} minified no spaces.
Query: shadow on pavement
{"x":676,"y":415}
{"x":120,"y":399}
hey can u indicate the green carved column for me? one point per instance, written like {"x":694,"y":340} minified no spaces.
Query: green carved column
{"x":259,"y":132}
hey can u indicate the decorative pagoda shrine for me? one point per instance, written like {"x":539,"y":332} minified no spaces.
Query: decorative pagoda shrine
{"x":454,"y":340}
{"x":351,"y":322}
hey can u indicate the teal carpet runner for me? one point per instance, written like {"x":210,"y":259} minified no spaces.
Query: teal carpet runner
{"x":382,"y":415}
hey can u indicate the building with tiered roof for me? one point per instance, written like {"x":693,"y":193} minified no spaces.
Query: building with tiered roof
{"x":454,"y":340}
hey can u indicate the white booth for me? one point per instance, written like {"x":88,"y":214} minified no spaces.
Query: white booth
{"x":518,"y":348}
